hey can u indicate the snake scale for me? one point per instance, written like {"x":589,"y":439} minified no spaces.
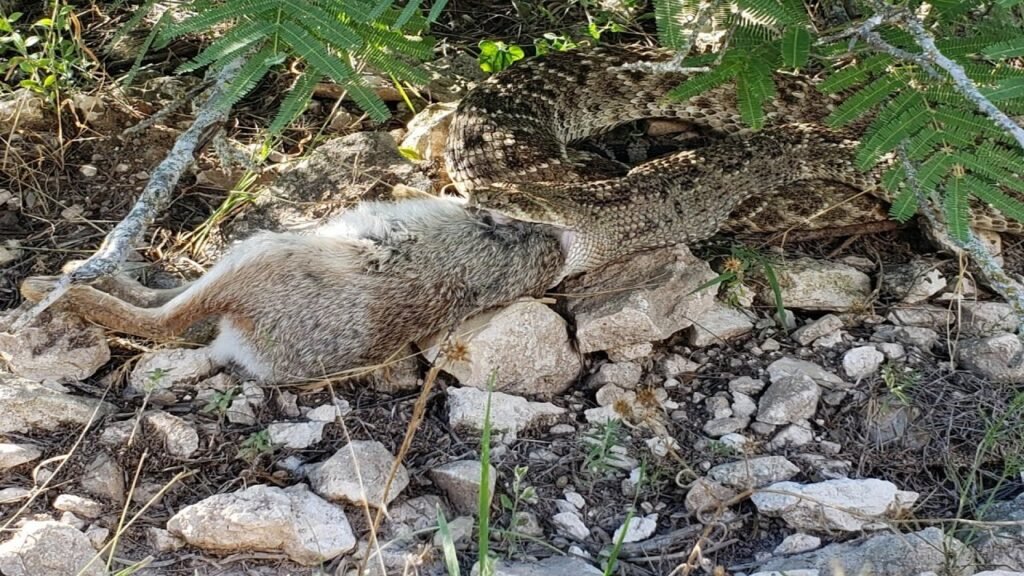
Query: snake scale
{"x":509,"y":149}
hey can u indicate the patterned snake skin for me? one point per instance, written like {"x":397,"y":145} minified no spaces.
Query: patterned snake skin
{"x":508,"y":151}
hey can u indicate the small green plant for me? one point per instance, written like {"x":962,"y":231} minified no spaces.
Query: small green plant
{"x":256,"y":445}
{"x":899,"y":380}
{"x":44,"y":57}
{"x":451,"y":558}
{"x":220,"y":402}
{"x":496,"y":56}
{"x":521,"y":492}
{"x":737,"y":266}
{"x":153,"y":378}
{"x":484,"y":502}
{"x":601,"y":441}
{"x":552,"y":42}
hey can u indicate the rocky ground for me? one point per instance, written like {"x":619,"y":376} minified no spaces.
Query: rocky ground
{"x":872,"y":427}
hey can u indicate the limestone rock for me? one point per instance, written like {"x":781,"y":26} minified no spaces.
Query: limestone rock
{"x":998,"y":358}
{"x":797,"y":544}
{"x":809,"y":284}
{"x":912,"y":282}
{"x":638,"y":529}
{"x":789,"y":400}
{"x":357,"y":474}
{"x":553,"y":566}
{"x":83,"y":507}
{"x":103,"y":477}
{"x":787,"y":367}
{"x":753,"y":472}
{"x":49,"y":548}
{"x":163,"y":372}
{"x":570,"y":524}
{"x":23,"y":109}
{"x":264,"y":518}
{"x":180,"y":439}
{"x":707,"y":496}
{"x":719,"y":323}
{"x":884,"y":554}
{"x":645,"y":298}
{"x":12,"y":455}
{"x":509,"y":414}
{"x":820,"y":328}
{"x":460,"y":481}
{"x":621,"y":374}
{"x":56,"y":348}
{"x":525,"y":345}
{"x":862,"y":362}
{"x":921,"y":338}
{"x":28,"y":406}
{"x":295,"y":435}
{"x":833,"y":505}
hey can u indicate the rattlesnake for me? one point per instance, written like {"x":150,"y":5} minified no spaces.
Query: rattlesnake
{"x":509,"y":150}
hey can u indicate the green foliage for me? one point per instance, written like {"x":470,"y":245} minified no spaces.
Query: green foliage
{"x":44,"y":56}
{"x":496,"y":56}
{"x":451,"y":557}
{"x":254,"y":446}
{"x":220,"y":402}
{"x":601,"y":441}
{"x":963,"y":157}
{"x":330,"y":39}
{"x":483,"y":512}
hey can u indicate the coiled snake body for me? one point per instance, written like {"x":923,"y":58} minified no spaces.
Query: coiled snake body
{"x":509,"y":150}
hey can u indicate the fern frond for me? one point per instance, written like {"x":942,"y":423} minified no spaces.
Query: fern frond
{"x":314,"y":52}
{"x":231,"y":44}
{"x":855,"y":73}
{"x":701,"y":83}
{"x":669,"y":18}
{"x":249,"y":75}
{"x":958,"y":220}
{"x":933,"y":170}
{"x":1007,"y":89}
{"x":904,"y":206}
{"x":394,"y":41}
{"x":1006,"y":49}
{"x":207,"y":19}
{"x":981,"y":166}
{"x":435,"y":10}
{"x":900,"y":119}
{"x":864,"y":99}
{"x":295,"y":102}
{"x":970,"y":123}
{"x":995,"y":198}
{"x":324,"y":25}
{"x":754,"y":86}
{"x":410,"y":9}
{"x":770,"y":13}
{"x":392,"y":66}
{"x":796,"y":47}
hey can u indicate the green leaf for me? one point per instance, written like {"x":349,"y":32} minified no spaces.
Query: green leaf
{"x":249,"y":75}
{"x":407,"y":13}
{"x":1006,"y":89}
{"x":796,"y":47}
{"x":754,"y":86}
{"x":957,"y":214}
{"x":668,"y":18}
{"x":854,"y":74}
{"x":701,"y":83}
{"x":314,"y":52}
{"x":294,"y":104}
{"x":451,"y":557}
{"x":233,"y":43}
{"x":1007,"y":49}
{"x":904,"y":116}
{"x":209,"y":18}
{"x":435,"y":10}
{"x":497,"y":56}
{"x":904,"y":206}
{"x":863,"y":100}
{"x":995,"y":198}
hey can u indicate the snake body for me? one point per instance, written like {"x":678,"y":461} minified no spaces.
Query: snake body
{"x":510,"y":150}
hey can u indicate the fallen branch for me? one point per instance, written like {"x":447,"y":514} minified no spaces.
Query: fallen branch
{"x":154,"y":198}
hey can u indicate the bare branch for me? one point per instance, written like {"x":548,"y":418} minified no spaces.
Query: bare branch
{"x":154,"y":198}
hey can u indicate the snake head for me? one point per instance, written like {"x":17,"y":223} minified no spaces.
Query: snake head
{"x":526,"y":202}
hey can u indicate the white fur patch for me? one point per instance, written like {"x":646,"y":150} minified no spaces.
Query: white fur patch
{"x":231,"y":347}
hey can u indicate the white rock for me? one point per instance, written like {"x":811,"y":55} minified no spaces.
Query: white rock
{"x":796,"y":572}
{"x":862,"y":362}
{"x":707,"y":496}
{"x":161,"y":540}
{"x":10,"y":250}
{"x":723,"y":426}
{"x":789,"y":400}
{"x":570,"y":524}
{"x":525,"y":345}
{"x":827,"y":324}
{"x":22,"y":108}
{"x":891,"y":350}
{"x":91,"y":107}
{"x":719,"y":323}
{"x":576,"y":499}
{"x":737,"y":442}
{"x":809,"y":284}
{"x":987,"y":318}
{"x":103,"y":477}
{"x":746,"y":385}
{"x":795,"y":435}
{"x":753,"y":472}
{"x":72,"y":520}
{"x":743,"y":406}
{"x":357,"y":474}
{"x":626,"y":353}
{"x":787,"y":366}
{"x":998,"y":358}
{"x":97,"y":536}
{"x":88,"y":170}
{"x":509,"y":414}
{"x":160,"y":373}
{"x":296,"y":435}
{"x":674,"y":365}
{"x":27,"y":406}
{"x":263,"y":518}
{"x":329,"y":412}
{"x":622,"y":374}
{"x":570,"y":565}
{"x":49,"y":548}
{"x":609,"y":394}
{"x":180,"y":439}
{"x":844,"y":504}
{"x":83,"y":507}
{"x":461,"y":530}
{"x":640,"y":528}
{"x":921,"y":338}
{"x":460,"y":482}
{"x":661,"y":446}
{"x":12,"y":455}
{"x":645,"y":298}
{"x":796,"y":544}
{"x":13,"y":494}
{"x":62,"y":348}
